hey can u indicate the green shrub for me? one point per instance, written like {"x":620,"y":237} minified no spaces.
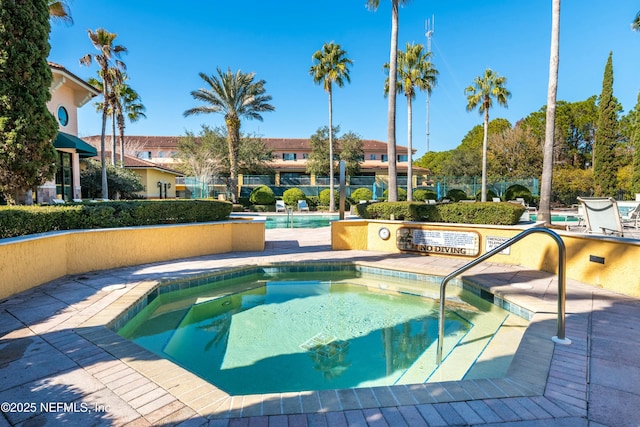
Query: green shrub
{"x":464,"y":213}
{"x":455,"y":195}
{"x":361,"y":193}
{"x":516,"y":191}
{"x":262,"y":195}
{"x":402,"y":194}
{"x":406,"y":211}
{"x":490,"y":195}
{"x":323,"y":197}
{"x":421,"y":194}
{"x":292,"y":195}
{"x":23,"y":220}
{"x":481,"y":213}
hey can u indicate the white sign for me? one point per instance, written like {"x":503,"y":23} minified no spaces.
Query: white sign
{"x":465,"y":243}
{"x":492,"y":242}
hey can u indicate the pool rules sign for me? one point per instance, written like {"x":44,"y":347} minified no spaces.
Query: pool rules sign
{"x":444,"y":242}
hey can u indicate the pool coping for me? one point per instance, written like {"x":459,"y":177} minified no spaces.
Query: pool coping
{"x":526,"y":376}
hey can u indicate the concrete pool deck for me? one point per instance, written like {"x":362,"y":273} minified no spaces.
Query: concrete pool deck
{"x":60,"y":365}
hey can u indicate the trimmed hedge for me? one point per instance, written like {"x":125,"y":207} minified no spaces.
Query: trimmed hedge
{"x":459,"y":213}
{"x":292,"y":195}
{"x":24,"y":220}
{"x":262,"y":195}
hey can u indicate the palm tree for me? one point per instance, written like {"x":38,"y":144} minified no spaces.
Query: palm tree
{"x":103,"y":41}
{"x":236,"y":95}
{"x":131,"y":106}
{"x":330,"y":66}
{"x":635,"y":25}
{"x":391,"y":112}
{"x":59,"y":11}
{"x":415,"y":71}
{"x":480,"y":94}
{"x":544,"y":213}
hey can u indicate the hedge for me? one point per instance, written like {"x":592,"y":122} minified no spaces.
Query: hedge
{"x":24,"y":220}
{"x":459,"y":213}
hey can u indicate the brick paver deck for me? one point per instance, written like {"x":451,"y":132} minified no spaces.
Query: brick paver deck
{"x":59,"y":364}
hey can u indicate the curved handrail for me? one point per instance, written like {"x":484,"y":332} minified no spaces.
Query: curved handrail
{"x":562,"y":260}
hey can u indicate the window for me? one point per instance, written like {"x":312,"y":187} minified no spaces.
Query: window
{"x":372,"y":157}
{"x":289,"y":156}
{"x":161,"y":154}
{"x":144,"y":154}
{"x":63,"y":116}
{"x":384,"y":158}
{"x":403,"y":158}
{"x":305,"y":156}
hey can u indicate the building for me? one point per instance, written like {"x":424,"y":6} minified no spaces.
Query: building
{"x":288,"y":165}
{"x":68,"y":93}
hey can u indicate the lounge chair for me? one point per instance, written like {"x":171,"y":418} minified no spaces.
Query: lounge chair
{"x":302,"y":206}
{"x":496,"y":199}
{"x":280,"y":206}
{"x":633,"y":218}
{"x":601,"y":215}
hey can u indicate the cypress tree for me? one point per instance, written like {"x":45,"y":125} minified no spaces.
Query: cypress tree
{"x":604,"y":162}
{"x":27,"y":128}
{"x":635,"y":142}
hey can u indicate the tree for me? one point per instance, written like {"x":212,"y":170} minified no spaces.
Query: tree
{"x":330,"y":66}
{"x":103,"y":41}
{"x":207,"y":154}
{"x":351,"y":152}
{"x":515,"y":153}
{"x":198,"y":157}
{"x":124,"y":182}
{"x":635,"y":25}
{"x":126,"y":102}
{"x":59,"y":11}
{"x":237,"y":96}
{"x":391,"y":112}
{"x":635,"y":141}
{"x":480,"y":95}
{"x":27,"y":128}
{"x":604,"y":161}
{"x":415,"y":71}
{"x":549,"y":138}
{"x":318,"y":162}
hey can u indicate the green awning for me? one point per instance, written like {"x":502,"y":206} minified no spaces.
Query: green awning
{"x":64,"y":140}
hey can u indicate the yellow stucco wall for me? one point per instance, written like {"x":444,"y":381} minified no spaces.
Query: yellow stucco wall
{"x":618,"y":273}
{"x":30,"y":261}
{"x":149,"y":179}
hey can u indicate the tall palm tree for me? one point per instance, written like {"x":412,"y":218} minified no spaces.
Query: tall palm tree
{"x":415,"y":71}
{"x":103,"y":41}
{"x":131,"y":106}
{"x":236,"y":95}
{"x":635,"y":25}
{"x":330,"y":66}
{"x":480,"y":95}
{"x":391,"y":112}
{"x":59,"y":11}
{"x":544,"y":213}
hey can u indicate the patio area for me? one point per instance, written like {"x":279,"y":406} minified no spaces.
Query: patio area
{"x":59,"y":364}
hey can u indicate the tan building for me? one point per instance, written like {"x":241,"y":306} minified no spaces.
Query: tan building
{"x":68,"y":93}
{"x":289,"y":164}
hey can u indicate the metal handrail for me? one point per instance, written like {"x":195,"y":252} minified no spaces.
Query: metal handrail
{"x":562,"y":260}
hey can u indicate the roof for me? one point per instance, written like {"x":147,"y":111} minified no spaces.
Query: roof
{"x":135,"y":163}
{"x":62,"y":75}
{"x":276,"y":144}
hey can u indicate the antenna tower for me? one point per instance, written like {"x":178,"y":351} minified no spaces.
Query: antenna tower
{"x":429,"y":26}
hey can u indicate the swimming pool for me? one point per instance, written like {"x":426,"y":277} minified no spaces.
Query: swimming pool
{"x":291,"y":220}
{"x":276,"y":330}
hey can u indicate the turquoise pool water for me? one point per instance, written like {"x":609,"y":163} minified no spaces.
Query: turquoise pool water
{"x":292,"y":332}
{"x":299,"y":220}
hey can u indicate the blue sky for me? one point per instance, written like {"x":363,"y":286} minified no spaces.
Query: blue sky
{"x":170,"y":43}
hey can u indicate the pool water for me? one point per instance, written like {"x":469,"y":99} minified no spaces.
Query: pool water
{"x":299,"y":220}
{"x":294,"y":333}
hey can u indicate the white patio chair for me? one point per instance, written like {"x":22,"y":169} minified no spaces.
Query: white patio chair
{"x":280,"y":206}
{"x":601,"y":215}
{"x":302,"y":206}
